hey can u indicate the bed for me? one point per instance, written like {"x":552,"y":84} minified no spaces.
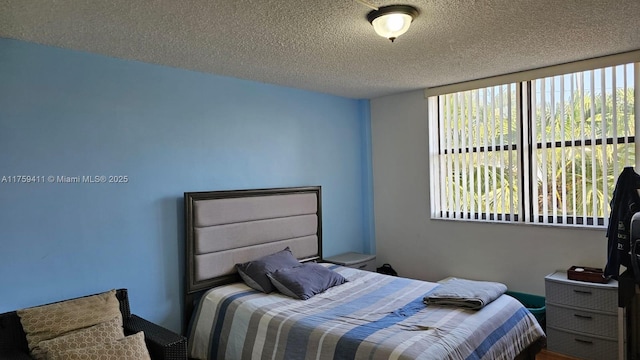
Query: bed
{"x":371,"y":316}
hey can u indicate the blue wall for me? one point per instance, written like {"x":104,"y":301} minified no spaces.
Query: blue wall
{"x":68,"y":113}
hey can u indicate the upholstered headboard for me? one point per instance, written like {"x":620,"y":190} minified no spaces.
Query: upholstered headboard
{"x":224,"y":228}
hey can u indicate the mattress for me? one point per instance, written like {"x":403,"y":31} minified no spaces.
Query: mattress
{"x":372,"y":316}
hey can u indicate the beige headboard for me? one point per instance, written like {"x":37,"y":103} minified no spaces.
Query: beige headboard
{"x":224,"y":228}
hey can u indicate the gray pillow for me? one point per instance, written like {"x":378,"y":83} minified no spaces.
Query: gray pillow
{"x":254,"y":273}
{"x":304,"y":281}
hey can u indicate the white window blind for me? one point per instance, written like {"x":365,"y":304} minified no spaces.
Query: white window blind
{"x":546,"y":150}
{"x":478,"y":145}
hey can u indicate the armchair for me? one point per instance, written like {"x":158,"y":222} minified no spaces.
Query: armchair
{"x":162,"y":343}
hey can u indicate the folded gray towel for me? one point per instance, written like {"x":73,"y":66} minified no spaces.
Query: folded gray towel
{"x":465,"y":293}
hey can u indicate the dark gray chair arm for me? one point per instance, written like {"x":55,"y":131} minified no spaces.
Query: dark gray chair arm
{"x":14,"y":355}
{"x":163,"y":344}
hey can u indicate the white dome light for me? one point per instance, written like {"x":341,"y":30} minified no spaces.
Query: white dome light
{"x":392,"y":21}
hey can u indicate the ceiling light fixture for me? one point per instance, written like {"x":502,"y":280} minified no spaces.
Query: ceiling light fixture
{"x":393,"y":20}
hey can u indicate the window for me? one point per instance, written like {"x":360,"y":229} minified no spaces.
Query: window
{"x":545,"y":150}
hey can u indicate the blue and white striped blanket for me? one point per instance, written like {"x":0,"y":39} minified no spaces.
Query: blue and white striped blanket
{"x":373,"y":316}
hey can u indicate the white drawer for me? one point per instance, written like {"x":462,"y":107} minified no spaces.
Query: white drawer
{"x":587,"y":297}
{"x":581,"y":346}
{"x":605,"y":325}
{"x":354,"y":260}
{"x":365,"y":265}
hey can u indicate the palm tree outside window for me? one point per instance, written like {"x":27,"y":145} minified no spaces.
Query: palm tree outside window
{"x":546,"y":150}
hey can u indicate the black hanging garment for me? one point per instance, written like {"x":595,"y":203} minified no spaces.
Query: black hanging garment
{"x":624,"y":204}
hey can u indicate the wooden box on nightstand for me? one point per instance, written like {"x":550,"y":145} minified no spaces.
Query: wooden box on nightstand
{"x":354,"y":260}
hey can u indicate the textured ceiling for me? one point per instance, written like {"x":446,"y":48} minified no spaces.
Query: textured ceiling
{"x":328,"y":45}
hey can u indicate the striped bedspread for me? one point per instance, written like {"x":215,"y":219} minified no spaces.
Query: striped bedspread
{"x":373,"y":316}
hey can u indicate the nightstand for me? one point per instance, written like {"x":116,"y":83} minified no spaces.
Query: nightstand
{"x":354,"y":260}
{"x":582,"y":317}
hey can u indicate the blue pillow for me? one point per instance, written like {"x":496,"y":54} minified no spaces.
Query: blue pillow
{"x":306,"y":280}
{"x":254,"y":273}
